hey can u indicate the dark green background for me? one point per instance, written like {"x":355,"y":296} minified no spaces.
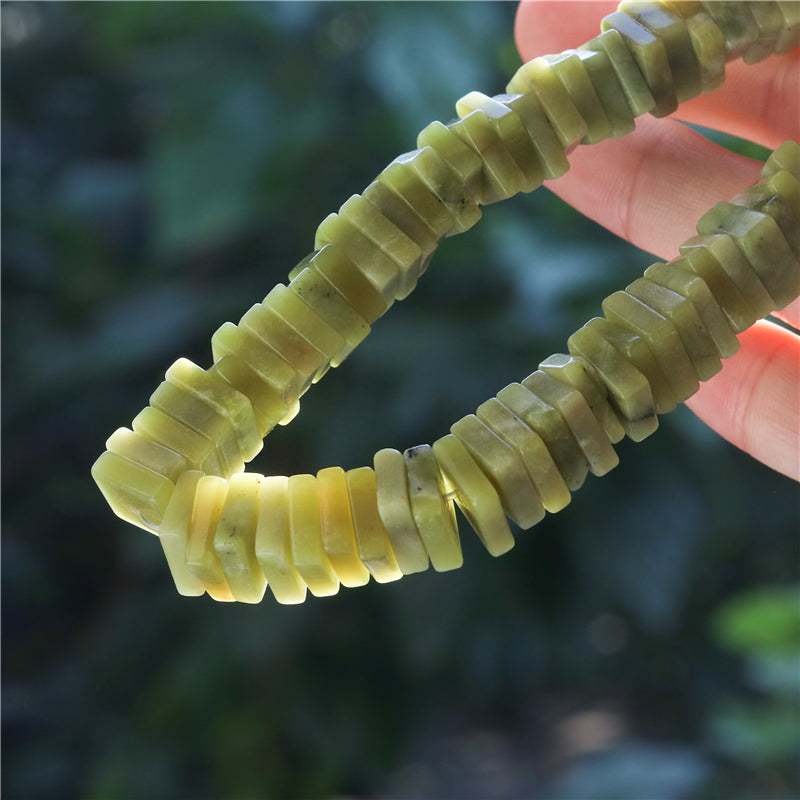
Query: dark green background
{"x":163,"y":166}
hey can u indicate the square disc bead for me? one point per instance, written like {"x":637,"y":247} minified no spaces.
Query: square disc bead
{"x":651,"y":57}
{"x":273,"y":541}
{"x":474,"y":495}
{"x":433,"y":512}
{"x":786,"y":157}
{"x":549,"y":424}
{"x":465,"y":163}
{"x":338,"y":533}
{"x":678,"y":276}
{"x":637,"y":93}
{"x":577,"y":373}
{"x":149,"y":454}
{"x":577,"y":415}
{"x":212,"y":389}
{"x":201,"y":557}
{"x":504,"y":469}
{"x":550,"y":485}
{"x":234,"y":540}
{"x":628,"y":389}
{"x":174,"y":534}
{"x":394,"y":506}
{"x":372,"y":540}
{"x":135,"y":493}
{"x":308,"y":553}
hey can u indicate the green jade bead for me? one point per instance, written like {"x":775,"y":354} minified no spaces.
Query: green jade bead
{"x":202,"y":418}
{"x":198,"y":450}
{"x":575,"y":373}
{"x":173,"y":534}
{"x":539,"y":77}
{"x":629,"y":390}
{"x":234,"y":539}
{"x":501,"y":178}
{"x":769,"y":21}
{"x":707,"y":40}
{"x":268,"y":406}
{"x":466,"y":164}
{"x":572,"y":72}
{"x":549,"y":424}
{"x":149,"y":454}
{"x":548,"y":148}
{"x":651,"y":57}
{"x":637,"y":93}
{"x":609,"y":90}
{"x":325,"y":300}
{"x":210,"y":388}
{"x":474,"y":494}
{"x":672,"y":30}
{"x":503,"y":467}
{"x":696,"y":341}
{"x":781,"y":208}
{"x":763,"y":245}
{"x":585,"y":428}
{"x":729,"y":297}
{"x":784,"y":158}
{"x":512,"y":133}
{"x":737,"y":24}
{"x":678,"y":276}
{"x":790,"y":36}
{"x":434,"y":513}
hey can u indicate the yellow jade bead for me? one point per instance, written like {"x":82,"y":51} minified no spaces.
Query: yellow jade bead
{"x":273,"y":545}
{"x":201,"y":557}
{"x":338,"y":533}
{"x":372,"y":540}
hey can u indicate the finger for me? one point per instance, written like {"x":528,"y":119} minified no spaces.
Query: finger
{"x":653,"y":185}
{"x":772,"y":87}
{"x":754,"y":402}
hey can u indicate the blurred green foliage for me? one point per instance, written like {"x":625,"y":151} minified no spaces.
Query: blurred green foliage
{"x":163,"y":166}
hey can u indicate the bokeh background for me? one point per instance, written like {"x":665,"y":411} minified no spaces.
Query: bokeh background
{"x":163,"y":166}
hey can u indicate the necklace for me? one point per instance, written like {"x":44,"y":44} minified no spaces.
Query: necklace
{"x":178,"y":471}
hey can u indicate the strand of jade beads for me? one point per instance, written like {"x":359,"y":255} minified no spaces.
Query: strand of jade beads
{"x":178,"y":472}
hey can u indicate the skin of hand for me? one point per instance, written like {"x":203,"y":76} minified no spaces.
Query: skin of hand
{"x":651,"y":186}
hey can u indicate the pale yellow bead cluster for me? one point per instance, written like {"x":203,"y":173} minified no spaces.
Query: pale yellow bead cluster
{"x":179,"y":471}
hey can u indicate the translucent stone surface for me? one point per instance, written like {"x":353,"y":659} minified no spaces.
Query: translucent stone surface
{"x":474,"y":494}
{"x":433,"y":513}
{"x":149,"y":454}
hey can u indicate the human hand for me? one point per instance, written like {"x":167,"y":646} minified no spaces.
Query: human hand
{"x":652,"y":186}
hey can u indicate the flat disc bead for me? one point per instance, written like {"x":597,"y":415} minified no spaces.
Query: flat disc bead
{"x":575,"y":372}
{"x":671,"y":29}
{"x":550,"y":485}
{"x":268,"y":406}
{"x":201,"y":557}
{"x":572,"y":72}
{"x":736,"y":23}
{"x":637,"y":93}
{"x":628,"y":389}
{"x":198,"y":450}
{"x":149,"y":454}
{"x":679,"y":277}
{"x":789,"y":38}
{"x":708,"y":42}
{"x":769,"y":21}
{"x":261,"y":357}
{"x":135,"y":493}
{"x":273,"y":541}
{"x":651,"y":57}
{"x":512,"y":133}
{"x":187,"y":409}
{"x":785,"y":157}
{"x":531,"y":114}
{"x":338,"y":533}
{"x":504,"y":469}
{"x":583,"y":424}
{"x":433,"y":513}
{"x":783,"y":208}
{"x":372,"y":539}
{"x":730,"y":298}
{"x":224,"y":399}
{"x":549,"y":424}
{"x":474,"y":494}
{"x":629,"y":312}
{"x":696,"y":340}
{"x":234,"y":540}
{"x":501,"y":177}
{"x":394,"y":506}
{"x":174,"y":534}
{"x":308,"y":553}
